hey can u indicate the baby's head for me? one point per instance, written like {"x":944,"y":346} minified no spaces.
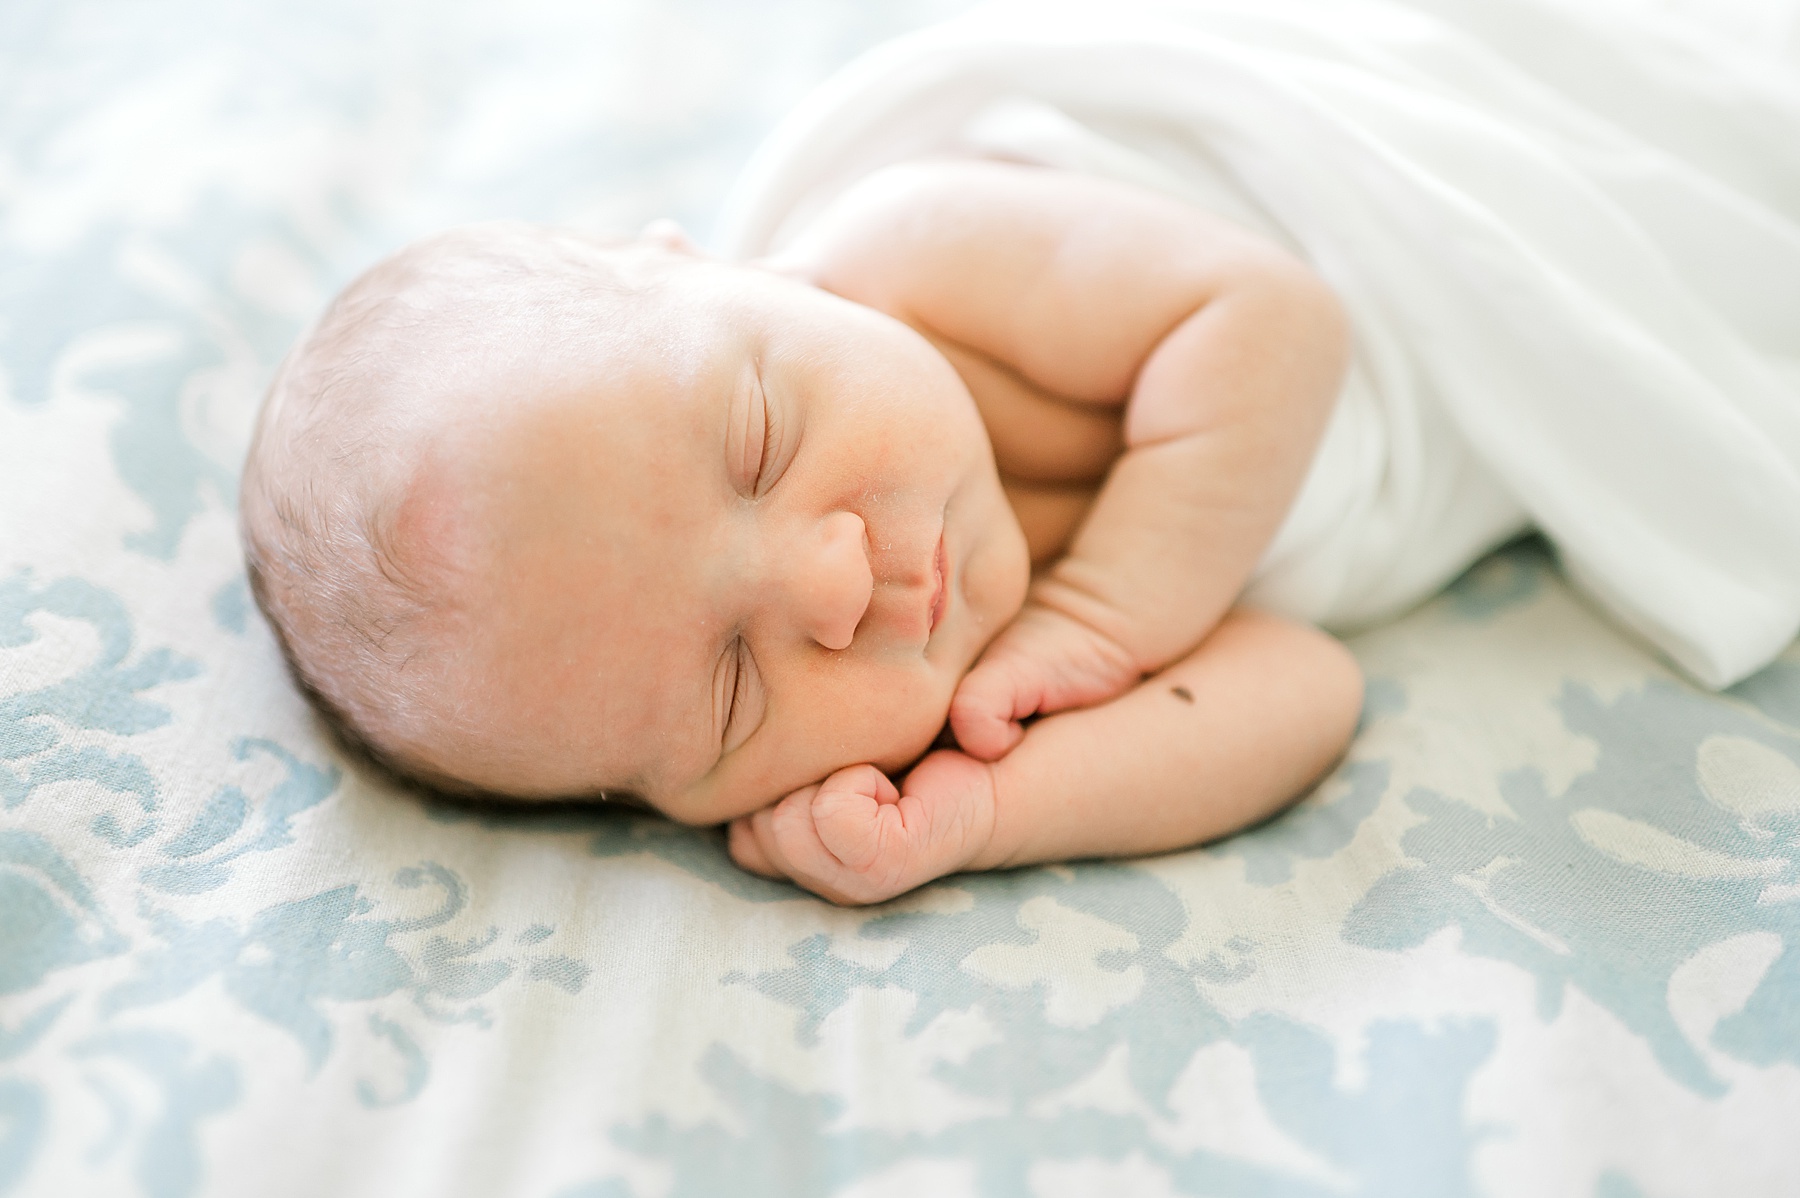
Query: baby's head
{"x":536,"y":514}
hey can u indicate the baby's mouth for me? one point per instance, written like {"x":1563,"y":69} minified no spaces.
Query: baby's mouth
{"x":940,"y":599}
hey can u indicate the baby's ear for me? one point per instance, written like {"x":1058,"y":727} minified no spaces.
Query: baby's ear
{"x":670,"y":236}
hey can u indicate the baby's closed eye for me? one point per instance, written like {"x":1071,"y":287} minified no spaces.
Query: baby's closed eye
{"x":740,"y":696}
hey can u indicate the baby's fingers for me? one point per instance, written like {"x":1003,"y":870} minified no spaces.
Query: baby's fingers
{"x":783,"y":841}
{"x":848,"y":818}
{"x":753,"y":843}
{"x":987,"y":708}
{"x":746,"y":850}
{"x":856,"y":839}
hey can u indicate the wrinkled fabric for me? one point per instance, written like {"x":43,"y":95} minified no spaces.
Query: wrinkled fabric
{"x":1568,"y":237}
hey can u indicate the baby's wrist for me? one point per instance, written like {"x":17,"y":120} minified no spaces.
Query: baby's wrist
{"x":1082,"y":595}
{"x":961,"y":789}
{"x":996,"y":847}
{"x":1102,"y":620}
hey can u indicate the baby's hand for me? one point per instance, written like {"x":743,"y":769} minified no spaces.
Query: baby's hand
{"x":1042,"y":662}
{"x":855,"y":838}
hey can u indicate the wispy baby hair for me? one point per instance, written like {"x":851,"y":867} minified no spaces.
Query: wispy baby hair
{"x":361,"y":599}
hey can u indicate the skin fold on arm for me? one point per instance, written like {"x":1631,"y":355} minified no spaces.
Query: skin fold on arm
{"x":1154,"y":381}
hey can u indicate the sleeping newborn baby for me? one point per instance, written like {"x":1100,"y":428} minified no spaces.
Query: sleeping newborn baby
{"x":536,"y":514}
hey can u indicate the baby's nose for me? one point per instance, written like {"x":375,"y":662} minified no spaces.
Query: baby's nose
{"x":832,"y":582}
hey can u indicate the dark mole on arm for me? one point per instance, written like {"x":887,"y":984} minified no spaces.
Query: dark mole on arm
{"x":1182,"y":693}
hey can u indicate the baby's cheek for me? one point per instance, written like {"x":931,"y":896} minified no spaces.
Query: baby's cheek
{"x":703,"y":808}
{"x":825,"y":722}
{"x":759,"y":774}
{"x":900,"y":737}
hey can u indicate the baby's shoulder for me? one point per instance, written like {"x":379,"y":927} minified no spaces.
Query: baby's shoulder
{"x":1067,"y":279}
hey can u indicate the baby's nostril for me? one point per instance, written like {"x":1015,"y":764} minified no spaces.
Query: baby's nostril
{"x":840,"y":586}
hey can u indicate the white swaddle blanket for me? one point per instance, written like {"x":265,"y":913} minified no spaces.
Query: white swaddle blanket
{"x":1568,"y":237}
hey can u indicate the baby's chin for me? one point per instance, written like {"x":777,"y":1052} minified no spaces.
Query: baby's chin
{"x":905,"y":756}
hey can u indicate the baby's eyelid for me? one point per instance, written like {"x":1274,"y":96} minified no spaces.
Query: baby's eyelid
{"x":753,"y":441}
{"x":746,"y":704}
{"x":725,"y":690}
{"x":771,"y":439}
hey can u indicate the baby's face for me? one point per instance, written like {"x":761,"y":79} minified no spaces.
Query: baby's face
{"x":755,"y":535}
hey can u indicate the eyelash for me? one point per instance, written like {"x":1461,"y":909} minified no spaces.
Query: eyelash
{"x":771,"y":427}
{"x":737,"y":684}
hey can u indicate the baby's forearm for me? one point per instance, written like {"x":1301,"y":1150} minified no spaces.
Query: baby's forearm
{"x":1223,"y":421}
{"x":1221,"y":739}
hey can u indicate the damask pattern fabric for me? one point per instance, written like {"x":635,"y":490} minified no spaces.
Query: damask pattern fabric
{"x":1538,"y":934}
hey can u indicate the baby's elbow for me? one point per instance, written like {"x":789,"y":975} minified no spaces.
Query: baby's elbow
{"x":1322,"y":688}
{"x":1316,"y":320}
{"x":1314,"y":680}
{"x":1338,"y":687}
{"x":1326,"y":707}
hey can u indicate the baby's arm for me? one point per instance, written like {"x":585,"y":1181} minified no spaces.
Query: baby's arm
{"x":1217,"y":741}
{"x":1224,"y":351}
{"x":1226,"y":354}
{"x":1222,"y":418}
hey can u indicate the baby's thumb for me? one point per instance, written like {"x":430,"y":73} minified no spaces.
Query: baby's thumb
{"x":742,"y":844}
{"x":985,"y":713}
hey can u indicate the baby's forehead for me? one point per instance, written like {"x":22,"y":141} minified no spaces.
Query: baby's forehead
{"x":572,"y":646}
{"x":488,"y":297}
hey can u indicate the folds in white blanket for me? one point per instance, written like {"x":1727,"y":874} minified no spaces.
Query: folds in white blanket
{"x":1568,"y":237}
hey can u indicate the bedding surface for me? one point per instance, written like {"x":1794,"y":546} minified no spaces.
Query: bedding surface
{"x":1538,"y":934}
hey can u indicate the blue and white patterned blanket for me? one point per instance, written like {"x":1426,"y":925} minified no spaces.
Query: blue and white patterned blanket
{"x":1539,"y":934}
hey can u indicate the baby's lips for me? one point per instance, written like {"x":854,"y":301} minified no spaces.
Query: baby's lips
{"x":940,"y":596}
